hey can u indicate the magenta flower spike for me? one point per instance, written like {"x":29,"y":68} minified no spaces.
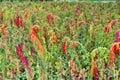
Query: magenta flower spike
{"x":95,"y":74}
{"x":23,"y":59}
{"x":117,"y":36}
{"x":18,"y":21}
{"x":76,"y":10}
{"x":18,"y":53}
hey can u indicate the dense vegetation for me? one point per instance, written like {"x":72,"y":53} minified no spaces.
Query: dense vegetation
{"x":59,"y":41}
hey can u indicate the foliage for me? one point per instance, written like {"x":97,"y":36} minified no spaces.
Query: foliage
{"x":59,"y":40}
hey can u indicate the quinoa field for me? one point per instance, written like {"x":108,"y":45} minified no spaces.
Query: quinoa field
{"x":59,"y":40}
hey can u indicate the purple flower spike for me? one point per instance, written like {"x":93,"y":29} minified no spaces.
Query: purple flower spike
{"x":117,"y":36}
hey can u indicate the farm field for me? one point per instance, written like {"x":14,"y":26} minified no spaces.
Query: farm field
{"x":59,"y":40}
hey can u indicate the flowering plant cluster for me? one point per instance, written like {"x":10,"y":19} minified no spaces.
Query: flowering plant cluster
{"x":59,"y":40}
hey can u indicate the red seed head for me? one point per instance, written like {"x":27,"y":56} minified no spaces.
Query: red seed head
{"x":18,"y":21}
{"x":106,"y":29}
{"x":95,"y":74}
{"x":64,"y":47}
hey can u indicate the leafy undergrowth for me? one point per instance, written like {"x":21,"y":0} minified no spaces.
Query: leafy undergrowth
{"x":59,"y":41}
